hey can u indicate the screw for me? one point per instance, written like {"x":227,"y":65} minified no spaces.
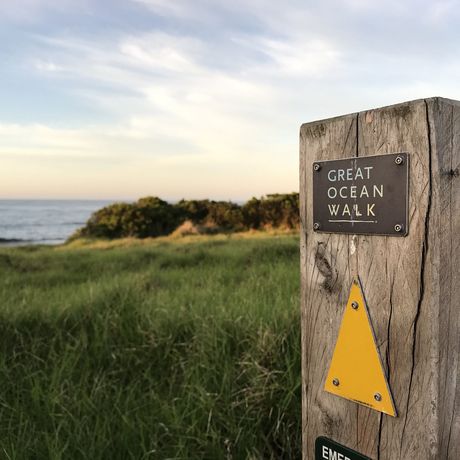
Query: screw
{"x":316,"y":166}
{"x":354,"y":305}
{"x":316,"y":226}
{"x":398,"y":228}
{"x":399,"y":160}
{"x":378,"y":397}
{"x":336,"y":382}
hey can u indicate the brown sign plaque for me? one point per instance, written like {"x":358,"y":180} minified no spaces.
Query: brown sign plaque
{"x":362,"y":195}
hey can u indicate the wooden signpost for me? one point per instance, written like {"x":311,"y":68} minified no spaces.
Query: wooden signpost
{"x":380,"y":267}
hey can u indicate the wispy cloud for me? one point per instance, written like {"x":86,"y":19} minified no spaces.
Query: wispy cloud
{"x":47,"y":66}
{"x":31,"y":11}
{"x":167,"y":8}
{"x":178,"y":96}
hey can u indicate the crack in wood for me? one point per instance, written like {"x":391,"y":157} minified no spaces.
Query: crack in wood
{"x":422,"y":270}
{"x":379,"y":437}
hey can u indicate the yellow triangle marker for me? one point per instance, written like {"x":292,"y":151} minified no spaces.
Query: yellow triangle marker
{"x":356,"y":372}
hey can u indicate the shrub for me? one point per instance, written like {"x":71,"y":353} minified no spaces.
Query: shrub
{"x":148,"y":217}
{"x":225,"y":215}
{"x":194,"y":210}
{"x":274,"y":211}
{"x":107,"y":222}
{"x":151,"y":217}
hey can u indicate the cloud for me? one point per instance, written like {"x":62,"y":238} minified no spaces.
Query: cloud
{"x":38,"y":139}
{"x":294,"y":57}
{"x":160,"y":51}
{"x":166,"y":7}
{"x":32,"y":11}
{"x":120,"y":162}
{"x":441,"y":11}
{"x":177,"y":95}
{"x":47,"y":66}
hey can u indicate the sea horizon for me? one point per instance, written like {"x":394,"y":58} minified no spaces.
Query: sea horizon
{"x":44,"y":221}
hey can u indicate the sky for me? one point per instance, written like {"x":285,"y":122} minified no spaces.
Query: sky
{"x":119,"y":99}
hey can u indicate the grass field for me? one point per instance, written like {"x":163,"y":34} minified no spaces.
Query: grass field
{"x":185,"y":349}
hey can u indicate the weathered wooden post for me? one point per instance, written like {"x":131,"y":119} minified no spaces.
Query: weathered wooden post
{"x":380,"y":263}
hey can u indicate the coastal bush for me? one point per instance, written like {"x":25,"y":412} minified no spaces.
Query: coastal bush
{"x":108,"y":222}
{"x":148,"y":217}
{"x":152,"y":216}
{"x":194,"y":210}
{"x":273,"y":211}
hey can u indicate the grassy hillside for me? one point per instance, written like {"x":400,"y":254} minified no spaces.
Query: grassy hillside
{"x":162,"y":350}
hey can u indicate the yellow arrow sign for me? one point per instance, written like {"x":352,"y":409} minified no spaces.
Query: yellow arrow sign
{"x":356,"y":372}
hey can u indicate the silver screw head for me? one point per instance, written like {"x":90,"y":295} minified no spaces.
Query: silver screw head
{"x":398,"y":228}
{"x":336,"y":382}
{"x":316,"y":226}
{"x":399,"y":160}
{"x":378,"y":397}
{"x":354,"y":305}
{"x":316,"y":166}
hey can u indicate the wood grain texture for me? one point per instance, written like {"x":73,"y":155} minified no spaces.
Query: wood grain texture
{"x":412,"y":286}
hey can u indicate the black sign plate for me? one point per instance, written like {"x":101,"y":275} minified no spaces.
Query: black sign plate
{"x":327,"y":449}
{"x":362,"y":195}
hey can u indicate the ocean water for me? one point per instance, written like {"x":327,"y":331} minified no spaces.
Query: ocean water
{"x":43,"y":221}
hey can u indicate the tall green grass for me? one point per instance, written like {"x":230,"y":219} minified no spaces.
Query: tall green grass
{"x":161,"y":351}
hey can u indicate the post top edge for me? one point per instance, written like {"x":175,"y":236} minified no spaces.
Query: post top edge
{"x":386,"y":107}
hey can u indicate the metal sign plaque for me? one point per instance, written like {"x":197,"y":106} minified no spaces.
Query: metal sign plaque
{"x":362,"y":195}
{"x":327,"y":449}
